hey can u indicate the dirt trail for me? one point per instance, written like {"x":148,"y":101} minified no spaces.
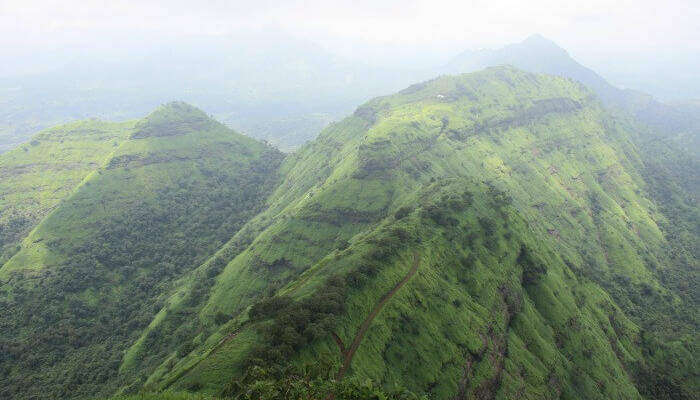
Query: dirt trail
{"x":348,"y":355}
{"x":225,"y":340}
{"x":213,"y":350}
{"x":339,"y":342}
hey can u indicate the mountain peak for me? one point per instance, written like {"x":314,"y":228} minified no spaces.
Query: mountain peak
{"x":538,"y":54}
{"x":172,"y":119}
{"x":177,"y":108}
{"x":476,"y":86}
{"x":537,"y":38}
{"x":180,"y":106}
{"x":540,"y":44}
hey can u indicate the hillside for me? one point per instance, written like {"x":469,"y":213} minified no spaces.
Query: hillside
{"x":488,"y":235}
{"x":93,"y":272}
{"x":498,"y":234}
{"x":35,"y":177}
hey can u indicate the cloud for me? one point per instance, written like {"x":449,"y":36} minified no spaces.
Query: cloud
{"x":603,"y":25}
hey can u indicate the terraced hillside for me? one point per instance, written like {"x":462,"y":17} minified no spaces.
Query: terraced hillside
{"x":490,"y":235}
{"x":545,"y":263}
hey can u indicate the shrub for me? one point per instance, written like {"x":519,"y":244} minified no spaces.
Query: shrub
{"x":439,"y":215}
{"x":185,"y":349}
{"x":533,"y":267}
{"x":488,"y":225}
{"x":403,"y":212}
{"x":269,"y":307}
{"x":220,"y":318}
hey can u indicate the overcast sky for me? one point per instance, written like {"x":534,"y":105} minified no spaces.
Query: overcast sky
{"x":378,"y":31}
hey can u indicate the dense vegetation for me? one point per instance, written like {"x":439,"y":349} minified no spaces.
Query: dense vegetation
{"x":93,"y":273}
{"x":490,"y":235}
{"x":584,"y":319}
{"x":302,"y":385}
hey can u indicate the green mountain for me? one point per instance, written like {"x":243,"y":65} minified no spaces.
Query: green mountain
{"x":487,"y":235}
{"x":499,"y":234}
{"x":94,"y":271}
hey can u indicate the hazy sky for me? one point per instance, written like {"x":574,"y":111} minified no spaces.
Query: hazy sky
{"x":628,"y":23}
{"x":378,"y":31}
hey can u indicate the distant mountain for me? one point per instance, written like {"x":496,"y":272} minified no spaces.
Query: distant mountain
{"x":540,"y":55}
{"x":277,"y":89}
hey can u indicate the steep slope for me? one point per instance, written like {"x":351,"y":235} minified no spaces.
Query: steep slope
{"x":94,"y":271}
{"x":35,"y":177}
{"x":490,"y":235}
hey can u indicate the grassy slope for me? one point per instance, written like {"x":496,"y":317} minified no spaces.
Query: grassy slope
{"x":89,"y":277}
{"x":35,"y":177}
{"x":258,"y":249}
{"x":579,"y":204}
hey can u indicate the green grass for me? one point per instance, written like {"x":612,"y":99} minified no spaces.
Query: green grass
{"x":37,"y":176}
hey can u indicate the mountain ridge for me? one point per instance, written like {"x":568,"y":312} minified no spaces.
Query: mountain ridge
{"x":367,"y":169}
{"x":541,"y":55}
{"x":548,"y":264}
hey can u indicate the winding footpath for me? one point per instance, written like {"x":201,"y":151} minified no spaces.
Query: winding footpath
{"x":350,"y":352}
{"x":213,"y":350}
